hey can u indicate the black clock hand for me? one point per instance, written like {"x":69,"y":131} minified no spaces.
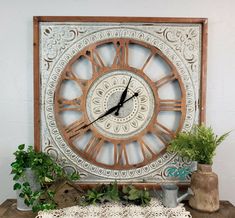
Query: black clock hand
{"x":111,"y":110}
{"x":123,"y":97}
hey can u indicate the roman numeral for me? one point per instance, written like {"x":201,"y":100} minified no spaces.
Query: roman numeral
{"x":93,"y":147}
{"x":69,"y":105}
{"x":75,"y":129}
{"x":165,"y":80}
{"x":170,"y":105}
{"x":121,"y":57}
{"x":163,"y":133}
{"x":120,"y":155}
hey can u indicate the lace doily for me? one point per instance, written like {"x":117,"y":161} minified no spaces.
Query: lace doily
{"x":118,"y":210}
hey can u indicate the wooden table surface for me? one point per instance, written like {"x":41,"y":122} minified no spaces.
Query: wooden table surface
{"x":8,"y":210}
{"x":227,"y":210}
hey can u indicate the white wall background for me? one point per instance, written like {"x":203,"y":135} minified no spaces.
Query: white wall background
{"x":16,"y":69}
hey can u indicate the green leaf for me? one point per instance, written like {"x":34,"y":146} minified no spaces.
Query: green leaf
{"x":26,"y":184}
{"x":146,"y":194}
{"x":197,"y":145}
{"x":17,"y":186}
{"x":27,"y":202}
{"x":51,"y":193}
{"x":21,"y":147}
{"x":222,"y":138}
{"x":21,"y":195}
{"x":125,"y":189}
{"x":15,"y":165}
{"x":133,"y":194}
{"x":74,"y":176}
{"x":36,"y":195}
{"x":47,"y":179}
{"x":16,"y":177}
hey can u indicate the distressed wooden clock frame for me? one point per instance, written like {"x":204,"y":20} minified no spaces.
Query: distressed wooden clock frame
{"x":116,"y":171}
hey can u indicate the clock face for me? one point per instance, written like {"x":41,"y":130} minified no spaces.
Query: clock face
{"x":134,"y":116}
{"x":99,"y":75}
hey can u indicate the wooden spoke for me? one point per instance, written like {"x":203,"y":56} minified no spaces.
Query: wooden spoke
{"x":95,"y":59}
{"x":147,"y":61}
{"x":74,"y":129}
{"x":170,"y":105}
{"x":99,"y":59}
{"x":93,"y":147}
{"x":165,"y":80}
{"x":69,"y":75}
{"x":69,"y":105}
{"x":146,"y":150}
{"x":163,"y":133}
{"x":121,"y":57}
{"x":115,"y":153}
{"x":120,"y":155}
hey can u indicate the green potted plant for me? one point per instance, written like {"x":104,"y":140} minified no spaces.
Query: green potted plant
{"x":111,"y":193}
{"x":200,"y":145}
{"x":34,"y":172}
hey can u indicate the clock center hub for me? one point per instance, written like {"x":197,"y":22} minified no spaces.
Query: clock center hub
{"x":127,"y":110}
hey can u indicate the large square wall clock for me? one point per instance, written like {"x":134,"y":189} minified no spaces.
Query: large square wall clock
{"x":111,"y":92}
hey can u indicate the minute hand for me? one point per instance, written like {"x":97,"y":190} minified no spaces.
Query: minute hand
{"x":123,"y":97}
{"x":111,"y":110}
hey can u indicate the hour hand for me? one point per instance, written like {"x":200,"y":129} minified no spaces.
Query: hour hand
{"x":111,"y":110}
{"x":123,"y":97}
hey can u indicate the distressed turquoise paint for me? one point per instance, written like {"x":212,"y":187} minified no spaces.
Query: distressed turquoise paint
{"x":180,"y":173}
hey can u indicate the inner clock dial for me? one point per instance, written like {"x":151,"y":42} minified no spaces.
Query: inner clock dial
{"x":133,"y":116}
{"x":92,"y":84}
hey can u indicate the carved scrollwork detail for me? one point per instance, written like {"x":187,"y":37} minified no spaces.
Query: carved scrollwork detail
{"x":176,"y":169}
{"x":185,"y":41}
{"x":56,"y":39}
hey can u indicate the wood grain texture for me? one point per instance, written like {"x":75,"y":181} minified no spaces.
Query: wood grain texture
{"x":8,"y":210}
{"x":119,"y":19}
{"x":203,"y":71}
{"x":226,"y":210}
{"x":36,"y":84}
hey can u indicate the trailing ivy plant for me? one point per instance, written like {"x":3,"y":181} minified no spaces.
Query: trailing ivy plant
{"x":46,"y":171}
{"x":111,"y":193}
{"x":197,"y":145}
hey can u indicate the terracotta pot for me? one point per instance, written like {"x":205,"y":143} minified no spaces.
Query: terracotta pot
{"x":204,"y":184}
